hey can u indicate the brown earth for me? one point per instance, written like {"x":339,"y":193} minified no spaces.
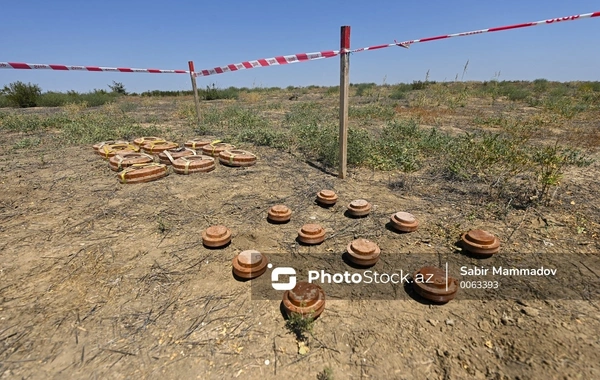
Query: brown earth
{"x":104,"y":280}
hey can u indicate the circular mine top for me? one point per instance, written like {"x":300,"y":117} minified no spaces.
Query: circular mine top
{"x":404,"y":217}
{"x":327,"y":194}
{"x":480,"y":237}
{"x":434,"y":277}
{"x":280,"y":209}
{"x":249,"y":258}
{"x":304,"y":294}
{"x":312,"y":229}
{"x":216,"y":231}
{"x":363,"y":246}
{"x":359,"y":203}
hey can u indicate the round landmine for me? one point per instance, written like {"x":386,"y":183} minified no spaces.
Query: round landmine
{"x":156,"y":147}
{"x":311,"y":234}
{"x":305,"y":299}
{"x":237,"y":158}
{"x":197,"y":143}
{"x":194,"y":164}
{"x":214,"y":149}
{"x":433,"y":284}
{"x":124,"y":160}
{"x":138,"y":173}
{"x":99,"y":145}
{"x":363,"y":252}
{"x":404,"y":222}
{"x":480,"y":242}
{"x":148,"y":139}
{"x":327,"y":197}
{"x":168,"y":156}
{"x":279,"y":214}
{"x":216,"y":236}
{"x":250,"y":264}
{"x":107,"y":151}
{"x":359,"y":207}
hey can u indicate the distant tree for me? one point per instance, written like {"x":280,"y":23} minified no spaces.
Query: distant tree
{"x":118,"y":88}
{"x":22,"y":95}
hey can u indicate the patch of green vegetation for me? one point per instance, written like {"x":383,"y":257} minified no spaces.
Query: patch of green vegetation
{"x":19,"y":94}
{"x":214,"y":93}
{"x":549,"y":164}
{"x":27,"y":143}
{"x":300,"y":325}
{"x":78,"y":125}
{"x":325,"y":374}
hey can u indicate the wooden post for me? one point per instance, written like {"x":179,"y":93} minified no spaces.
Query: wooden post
{"x":195,"y":89}
{"x":344,"y":88}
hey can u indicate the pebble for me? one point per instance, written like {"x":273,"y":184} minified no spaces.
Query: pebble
{"x":433,"y":322}
{"x":450,"y":322}
{"x":506,"y":320}
{"x":530,"y":311}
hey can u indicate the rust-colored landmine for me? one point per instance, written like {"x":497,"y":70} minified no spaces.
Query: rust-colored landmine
{"x":480,"y":242}
{"x":138,"y":173}
{"x":107,"y":151}
{"x":363,"y":252}
{"x":156,"y":147}
{"x":404,"y":222}
{"x":305,"y":299}
{"x":279,"y":214}
{"x":433,"y":284}
{"x":144,"y":140}
{"x":168,"y":156}
{"x":237,"y":158}
{"x":123,"y":160}
{"x":216,"y":236}
{"x":99,"y":145}
{"x":327,"y":197}
{"x":194,"y":164}
{"x":215,"y":148}
{"x":311,"y":234}
{"x":198,"y":143}
{"x":359,"y":207}
{"x":250,"y":264}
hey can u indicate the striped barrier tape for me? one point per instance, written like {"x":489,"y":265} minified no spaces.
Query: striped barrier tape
{"x":294,"y":58}
{"x":43,"y":66}
{"x":406,"y":44}
{"x":280,"y":60}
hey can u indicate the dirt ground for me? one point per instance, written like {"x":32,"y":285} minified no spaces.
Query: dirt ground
{"x":104,"y":280}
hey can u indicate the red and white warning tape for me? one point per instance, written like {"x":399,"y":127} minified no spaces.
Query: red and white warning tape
{"x":285,"y":59}
{"x":43,"y":66}
{"x":489,"y":30}
{"x":280,"y":60}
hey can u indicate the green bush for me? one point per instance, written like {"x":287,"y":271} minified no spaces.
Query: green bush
{"x":22,"y":95}
{"x":214,"y":93}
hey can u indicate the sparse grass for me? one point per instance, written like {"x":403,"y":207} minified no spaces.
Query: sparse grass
{"x":325,"y":374}
{"x":78,"y":125}
{"x":300,"y":325}
{"x":384,"y":134}
{"x":27,"y":143}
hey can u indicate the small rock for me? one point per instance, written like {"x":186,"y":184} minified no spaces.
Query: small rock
{"x":450,"y":322}
{"x":506,"y":320}
{"x":530,"y":311}
{"x":433,"y":322}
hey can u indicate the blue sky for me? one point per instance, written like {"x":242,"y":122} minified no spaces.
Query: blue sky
{"x":167,"y":34}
